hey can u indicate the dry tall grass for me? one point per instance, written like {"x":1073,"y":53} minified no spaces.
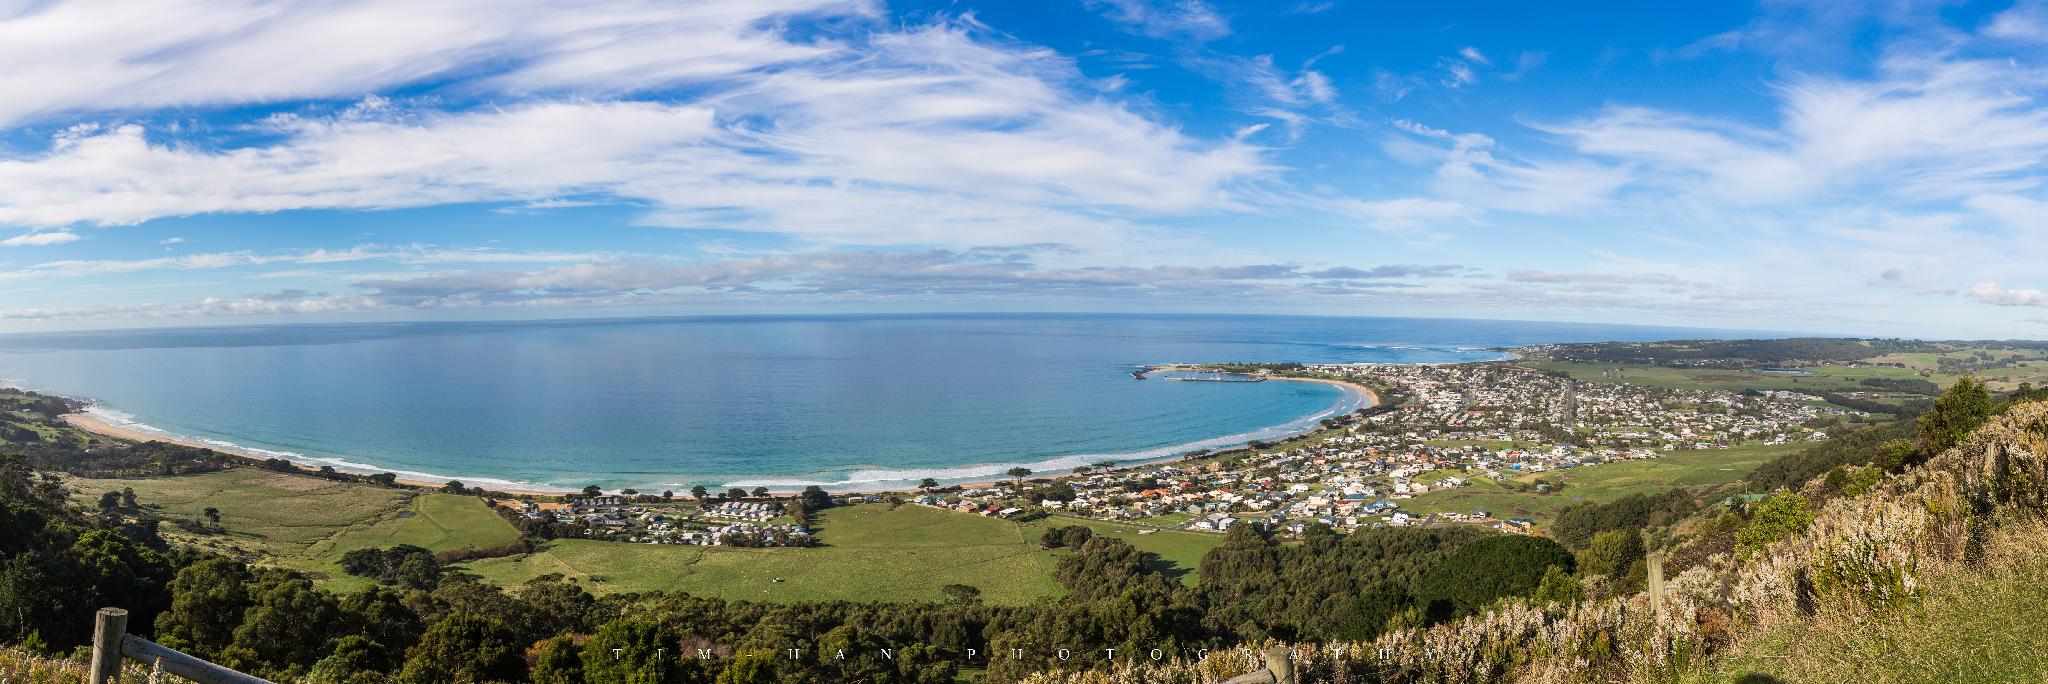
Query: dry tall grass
{"x":23,"y":667}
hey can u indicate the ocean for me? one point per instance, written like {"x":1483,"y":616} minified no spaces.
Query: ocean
{"x":848,"y":402}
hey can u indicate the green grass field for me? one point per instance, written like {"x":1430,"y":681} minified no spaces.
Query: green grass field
{"x":870,"y":553}
{"x":306,"y":523}
{"x":264,"y":511}
{"x":1823,"y":378}
{"x":1703,"y":468}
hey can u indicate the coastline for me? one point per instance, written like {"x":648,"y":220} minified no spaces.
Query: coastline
{"x":99,"y":425}
{"x":1372,"y":398}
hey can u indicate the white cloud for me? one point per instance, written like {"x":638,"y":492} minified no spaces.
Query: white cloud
{"x":98,"y":55}
{"x":1990,"y":293}
{"x":1190,"y":19}
{"x":931,"y":137}
{"x":39,"y":239}
{"x":1927,"y":129}
{"x":405,"y":254}
{"x":2026,"y":20}
{"x":173,"y":240}
{"x":1407,"y":215}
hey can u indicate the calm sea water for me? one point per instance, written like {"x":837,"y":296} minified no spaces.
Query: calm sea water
{"x":666,"y":403}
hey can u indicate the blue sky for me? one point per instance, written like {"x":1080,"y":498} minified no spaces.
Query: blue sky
{"x":1840,"y":167}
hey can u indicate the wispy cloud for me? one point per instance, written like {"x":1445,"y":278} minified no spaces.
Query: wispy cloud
{"x":404,"y":254}
{"x":40,"y":239}
{"x":107,"y":55}
{"x":1183,"y":19}
{"x":990,"y":272}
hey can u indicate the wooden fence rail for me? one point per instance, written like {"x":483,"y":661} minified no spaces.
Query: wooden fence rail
{"x":111,"y":641}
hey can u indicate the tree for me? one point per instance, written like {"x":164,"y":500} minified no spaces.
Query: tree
{"x":1966,"y":405}
{"x":735,"y":493}
{"x":464,"y":648}
{"x":1557,"y":586}
{"x":815,"y":499}
{"x":749,"y":668}
{"x":1777,"y":517}
{"x":668,"y":495}
{"x":961,"y":594}
{"x":1067,"y":536}
{"x":290,"y":622}
{"x":629,"y":491}
{"x":1487,"y":570}
{"x":454,"y":487}
{"x":208,"y":599}
{"x":559,"y":662}
{"x":212,"y":515}
{"x":592,"y":490}
{"x":760,"y":492}
{"x":1019,"y":473}
{"x":110,"y":501}
{"x":384,"y":479}
{"x":380,"y":615}
{"x":927,"y":483}
{"x":700,"y":491}
{"x":128,"y":498}
{"x":633,"y":651}
{"x":355,"y":659}
{"x":1613,"y":554}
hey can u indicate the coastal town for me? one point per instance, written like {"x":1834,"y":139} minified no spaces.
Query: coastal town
{"x":1454,"y":426}
{"x":1437,"y":429}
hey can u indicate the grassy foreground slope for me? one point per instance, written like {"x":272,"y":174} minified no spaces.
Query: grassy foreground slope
{"x":1978,"y":624}
{"x":869,"y":553}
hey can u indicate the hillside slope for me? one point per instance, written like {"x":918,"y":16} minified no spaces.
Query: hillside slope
{"x":1933,"y":574}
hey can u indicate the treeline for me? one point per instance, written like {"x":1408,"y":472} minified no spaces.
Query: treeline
{"x":1576,"y":525}
{"x":1353,"y":587}
{"x":1918,"y":386}
{"x":115,"y":461}
{"x":1859,"y":448}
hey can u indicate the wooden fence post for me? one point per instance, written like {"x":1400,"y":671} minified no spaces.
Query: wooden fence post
{"x":109,"y":625}
{"x":1655,"y":560}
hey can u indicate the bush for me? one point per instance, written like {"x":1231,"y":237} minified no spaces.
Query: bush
{"x":1775,"y":518}
{"x":1488,"y":570}
{"x":1067,"y":536}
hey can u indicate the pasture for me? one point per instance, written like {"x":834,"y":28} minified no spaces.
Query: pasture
{"x":1704,"y":469}
{"x":306,"y":523}
{"x":869,"y":553}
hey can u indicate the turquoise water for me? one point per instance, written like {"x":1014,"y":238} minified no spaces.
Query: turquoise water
{"x":666,"y":403}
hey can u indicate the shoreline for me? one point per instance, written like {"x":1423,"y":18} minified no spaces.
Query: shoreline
{"x":102,"y":426}
{"x":1372,"y":398}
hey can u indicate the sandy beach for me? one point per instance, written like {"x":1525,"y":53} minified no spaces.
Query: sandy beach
{"x":98,"y":426}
